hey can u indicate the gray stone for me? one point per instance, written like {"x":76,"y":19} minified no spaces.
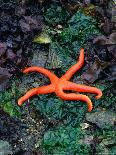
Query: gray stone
{"x":39,"y":58}
{"x":5,"y":148}
{"x":103,"y":119}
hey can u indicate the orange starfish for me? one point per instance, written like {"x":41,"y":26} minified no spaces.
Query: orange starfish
{"x":58,"y":85}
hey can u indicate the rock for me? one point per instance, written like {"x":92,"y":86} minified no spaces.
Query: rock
{"x":54,"y":58}
{"x":18,"y":25}
{"x":2,"y":48}
{"x":30,"y":23}
{"x":103,"y":119}
{"x":87,"y":140}
{"x":5,"y":148}
{"x":58,"y":58}
{"x":39,"y":58}
{"x":4,"y":76}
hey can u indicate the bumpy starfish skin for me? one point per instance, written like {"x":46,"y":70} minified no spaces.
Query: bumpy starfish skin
{"x":58,"y":85}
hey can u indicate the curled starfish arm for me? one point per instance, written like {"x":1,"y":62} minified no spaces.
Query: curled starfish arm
{"x":75,"y":67}
{"x":73,"y":96}
{"x":44,"y":71}
{"x":83,"y":88}
{"x":36,"y":91}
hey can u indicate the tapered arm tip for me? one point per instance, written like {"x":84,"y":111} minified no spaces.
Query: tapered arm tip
{"x":20,"y":102}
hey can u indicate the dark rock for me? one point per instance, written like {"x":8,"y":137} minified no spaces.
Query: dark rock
{"x":11,"y":55}
{"x":2,"y":49}
{"x":4,"y":76}
{"x":103,"y":119}
{"x":19,"y":23}
{"x":30,"y":23}
{"x":39,"y":58}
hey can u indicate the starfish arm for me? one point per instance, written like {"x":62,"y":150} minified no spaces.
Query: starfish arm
{"x":83,"y":88}
{"x":44,"y":71}
{"x":75,"y":67}
{"x":36,"y":91}
{"x":73,"y":96}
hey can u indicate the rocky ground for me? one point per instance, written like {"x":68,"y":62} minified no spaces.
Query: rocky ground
{"x":50,"y":34}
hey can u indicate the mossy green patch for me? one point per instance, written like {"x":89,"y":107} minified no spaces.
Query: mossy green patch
{"x":55,"y":14}
{"x":8,"y":102}
{"x":54,"y":108}
{"x":65,"y":140}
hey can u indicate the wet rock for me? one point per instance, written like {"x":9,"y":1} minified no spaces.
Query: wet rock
{"x":103,"y":119}
{"x":54,"y":61}
{"x":87,"y":140}
{"x":5,"y":148}
{"x":39,"y":58}
{"x":28,"y":140}
{"x":30,"y":23}
{"x":2,"y":48}
{"x":10,"y":54}
{"x":19,"y":23}
{"x":112,"y":76}
{"x":94,"y":71}
{"x":24,"y":134}
{"x":10,"y":129}
{"x":57,"y":58}
{"x":4,"y":76}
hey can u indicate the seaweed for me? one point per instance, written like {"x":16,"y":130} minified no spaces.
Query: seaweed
{"x":65,"y":140}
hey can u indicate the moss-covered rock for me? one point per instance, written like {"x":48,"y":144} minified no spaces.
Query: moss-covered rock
{"x":103,"y":119}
